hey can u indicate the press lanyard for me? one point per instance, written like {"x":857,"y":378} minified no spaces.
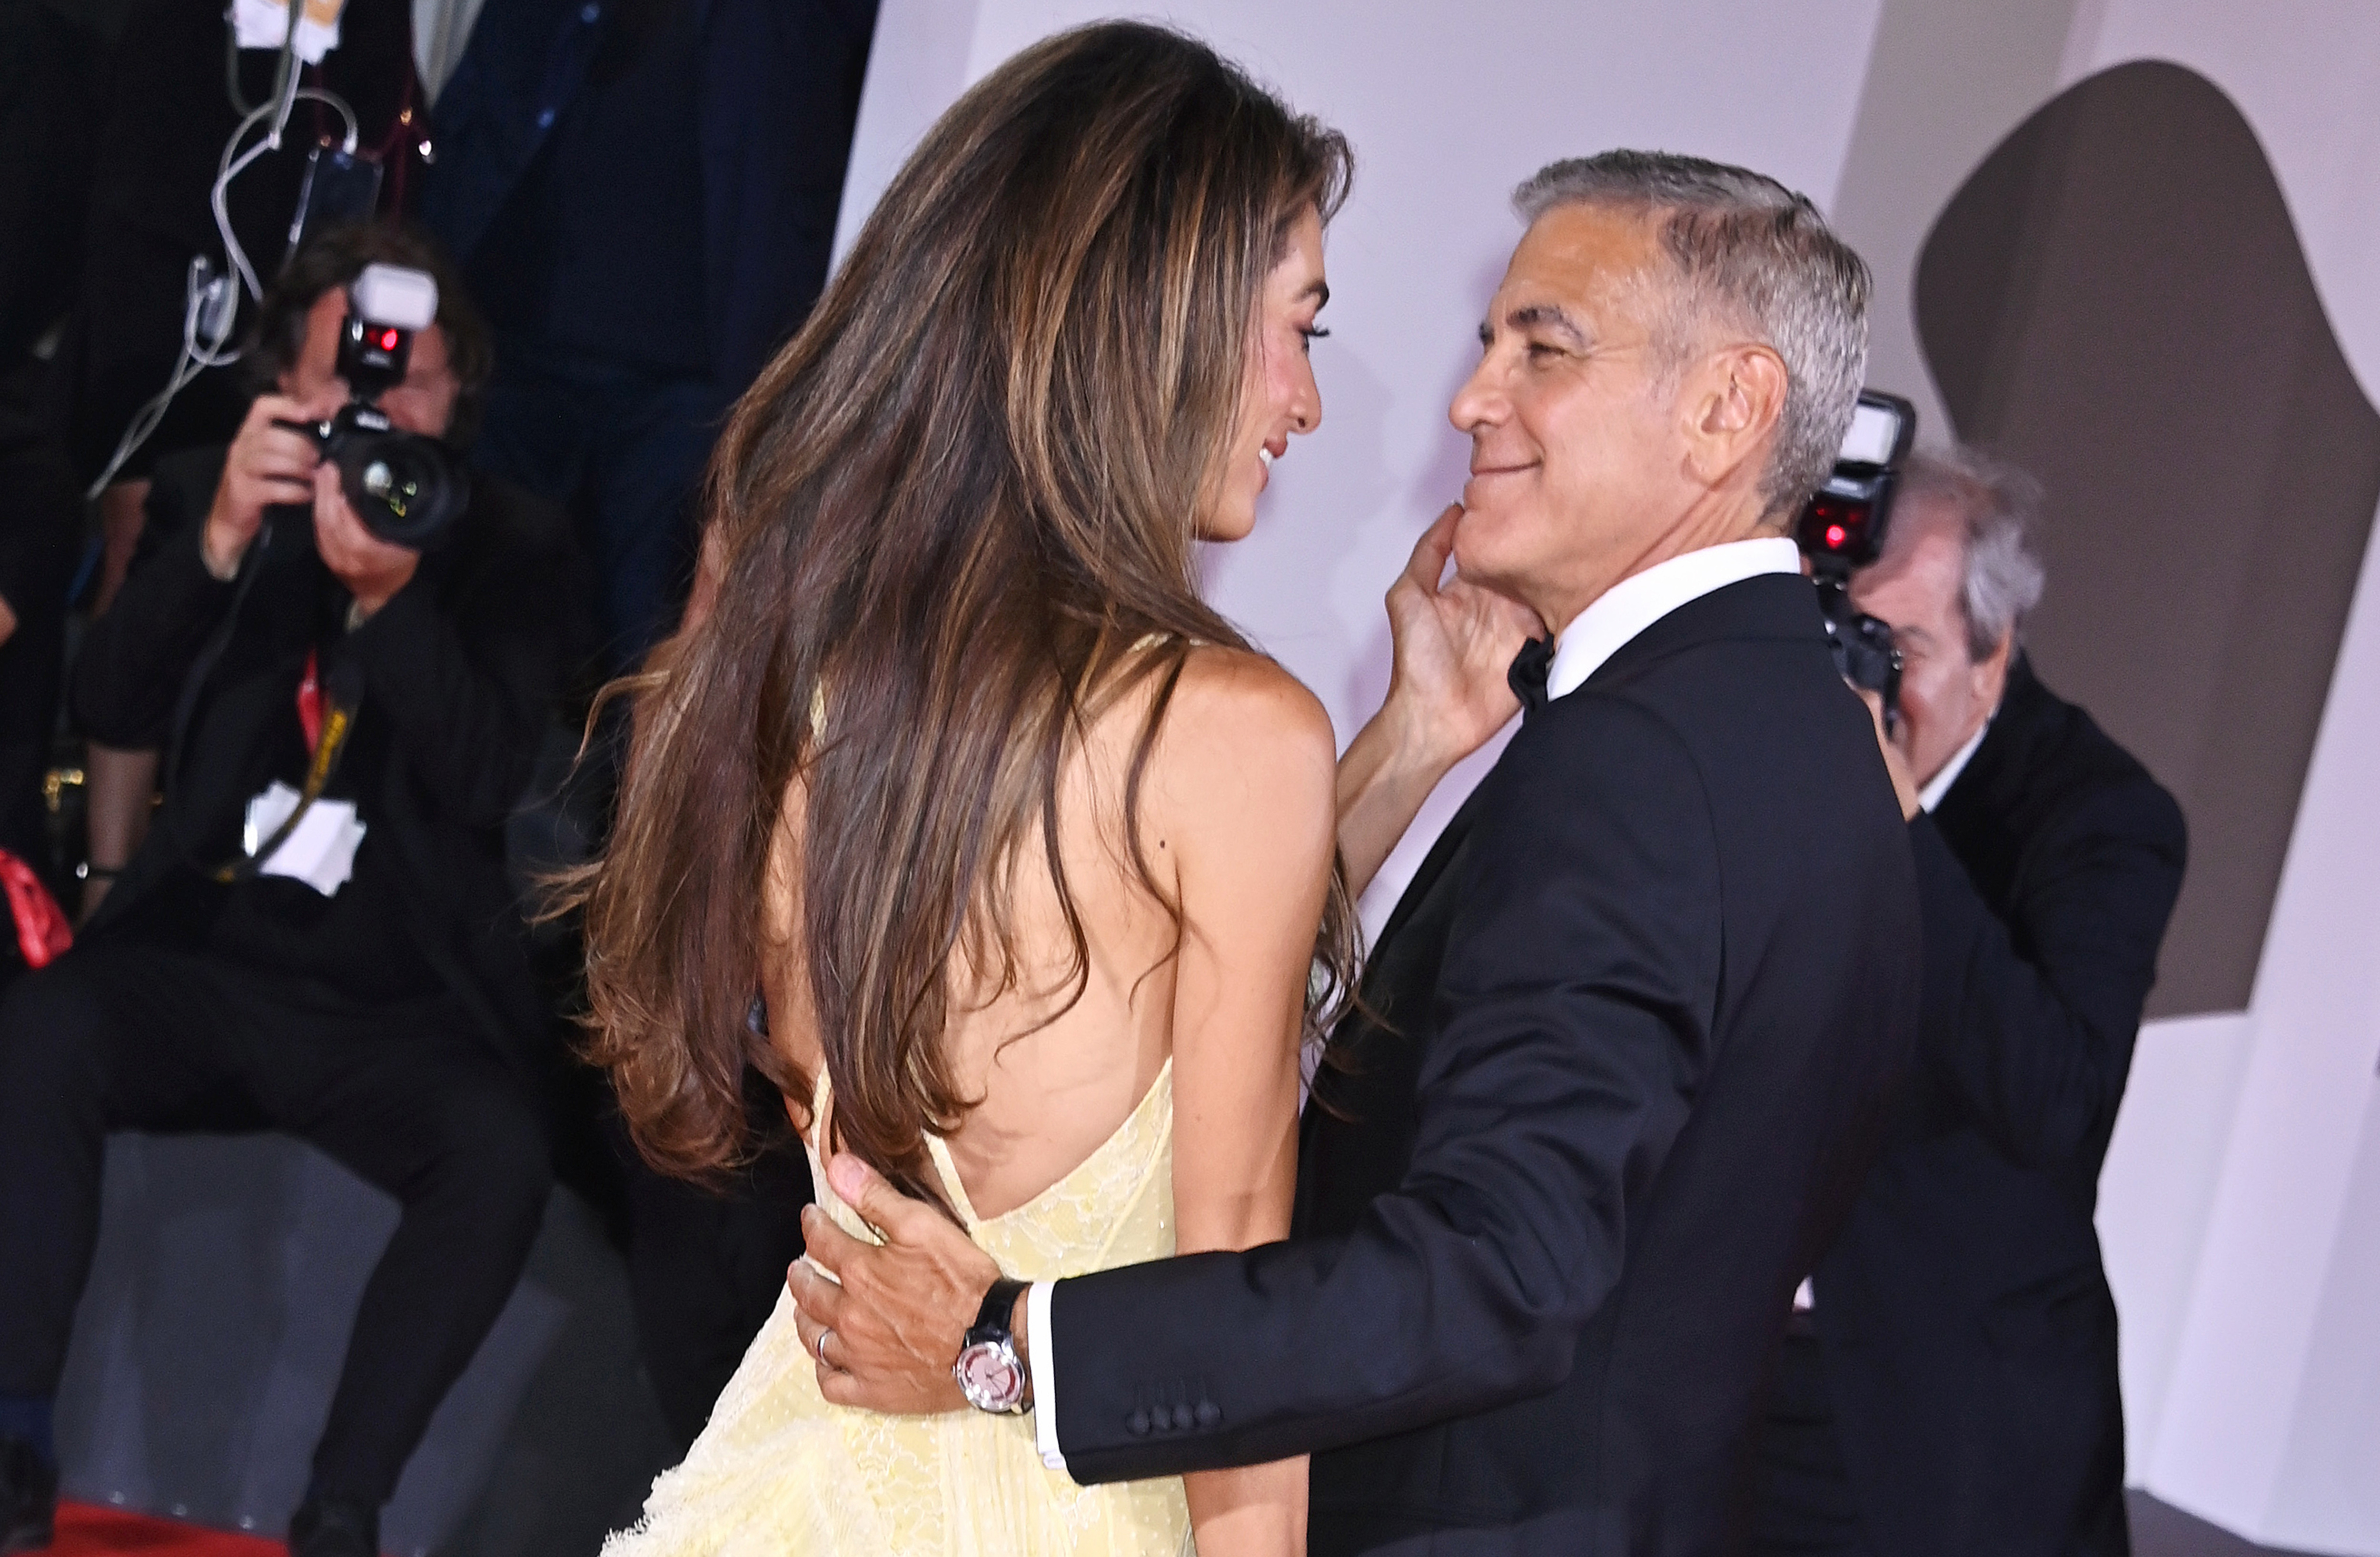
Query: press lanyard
{"x":326,"y":729}
{"x":310,"y":701}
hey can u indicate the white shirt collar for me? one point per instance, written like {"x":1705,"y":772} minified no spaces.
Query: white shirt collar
{"x":1636,"y":602}
{"x":1939,"y":785}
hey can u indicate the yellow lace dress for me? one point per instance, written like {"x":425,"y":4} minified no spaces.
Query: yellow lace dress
{"x":781,"y":1473}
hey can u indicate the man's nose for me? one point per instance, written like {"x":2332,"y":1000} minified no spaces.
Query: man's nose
{"x":1480,"y":402}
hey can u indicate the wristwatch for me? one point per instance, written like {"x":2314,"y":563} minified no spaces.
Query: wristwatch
{"x":990,"y":1372}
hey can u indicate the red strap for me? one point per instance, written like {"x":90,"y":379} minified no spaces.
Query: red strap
{"x":310,"y":704}
{"x":42,"y":932}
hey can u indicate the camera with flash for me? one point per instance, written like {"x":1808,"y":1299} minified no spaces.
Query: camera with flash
{"x":405,"y":488}
{"x":1842,"y":529}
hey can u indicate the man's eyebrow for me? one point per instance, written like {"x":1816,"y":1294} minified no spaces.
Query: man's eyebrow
{"x":1548,"y":316}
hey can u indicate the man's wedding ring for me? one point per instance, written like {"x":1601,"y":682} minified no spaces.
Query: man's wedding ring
{"x":819,"y":1347}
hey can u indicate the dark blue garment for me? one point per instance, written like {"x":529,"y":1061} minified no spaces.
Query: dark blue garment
{"x":598,"y":249}
{"x":33,"y":1419}
{"x":643,"y":194}
{"x":774,"y":90}
{"x":622,"y":451}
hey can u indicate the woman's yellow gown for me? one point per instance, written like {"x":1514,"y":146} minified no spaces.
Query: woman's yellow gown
{"x":781,"y":1472}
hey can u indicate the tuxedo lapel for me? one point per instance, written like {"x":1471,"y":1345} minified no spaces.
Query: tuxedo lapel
{"x":1434,"y":864}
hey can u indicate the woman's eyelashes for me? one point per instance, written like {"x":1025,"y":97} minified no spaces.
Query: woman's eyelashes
{"x":1311,"y":334}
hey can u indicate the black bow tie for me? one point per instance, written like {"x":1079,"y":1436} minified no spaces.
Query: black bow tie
{"x":1528,"y":676}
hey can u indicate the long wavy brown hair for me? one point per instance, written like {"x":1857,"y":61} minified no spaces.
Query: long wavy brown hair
{"x":941,"y":522}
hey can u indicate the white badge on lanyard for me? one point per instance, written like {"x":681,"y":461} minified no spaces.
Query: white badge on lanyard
{"x":320,"y":851}
{"x":264,"y":24}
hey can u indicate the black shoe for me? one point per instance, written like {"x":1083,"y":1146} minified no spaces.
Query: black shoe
{"x":334,"y":1527}
{"x":29,"y":1499}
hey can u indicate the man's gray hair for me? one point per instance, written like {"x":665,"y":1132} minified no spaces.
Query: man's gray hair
{"x":1745,"y":245}
{"x":1994,"y":509}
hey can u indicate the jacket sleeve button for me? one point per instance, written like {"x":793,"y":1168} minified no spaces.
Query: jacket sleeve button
{"x":1136,"y":1423}
{"x":1210,"y":1413}
{"x":1183,"y":1418}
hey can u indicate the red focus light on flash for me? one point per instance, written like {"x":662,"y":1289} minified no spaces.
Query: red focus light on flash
{"x":1837,"y":535}
{"x":388,"y":340}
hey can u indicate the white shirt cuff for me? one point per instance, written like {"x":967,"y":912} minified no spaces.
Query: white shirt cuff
{"x":1045,"y":1376}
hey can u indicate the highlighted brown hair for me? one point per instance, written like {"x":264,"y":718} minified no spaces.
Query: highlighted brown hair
{"x":942,"y":519}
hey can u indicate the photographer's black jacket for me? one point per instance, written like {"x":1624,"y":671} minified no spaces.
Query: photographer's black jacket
{"x":1642,"y":1002}
{"x":461,"y":671}
{"x":1969,"y":1336}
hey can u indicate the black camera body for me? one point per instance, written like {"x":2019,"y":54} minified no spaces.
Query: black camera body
{"x":1842,"y":529}
{"x":406,"y":489}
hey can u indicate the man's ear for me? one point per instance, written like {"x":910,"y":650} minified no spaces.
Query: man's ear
{"x":1991,"y":671}
{"x":1733,"y":399}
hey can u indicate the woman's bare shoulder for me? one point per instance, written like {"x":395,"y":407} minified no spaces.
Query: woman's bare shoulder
{"x":1241,"y":703}
{"x":1242,"y":735}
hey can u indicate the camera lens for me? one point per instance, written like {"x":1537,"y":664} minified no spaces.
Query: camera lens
{"x":405,"y":489}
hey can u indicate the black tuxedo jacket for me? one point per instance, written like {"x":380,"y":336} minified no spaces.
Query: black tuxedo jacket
{"x":1970,"y":1337}
{"x":466,"y":665}
{"x":1634,"y":1018}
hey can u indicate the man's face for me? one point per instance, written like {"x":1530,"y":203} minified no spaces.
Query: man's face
{"x":1576,"y":464}
{"x":423,"y":403}
{"x":1945,"y":696}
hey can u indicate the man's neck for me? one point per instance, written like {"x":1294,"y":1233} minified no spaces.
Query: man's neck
{"x":1936,"y":784}
{"x":1710,"y":524}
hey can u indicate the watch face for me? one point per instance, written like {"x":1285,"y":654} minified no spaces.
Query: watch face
{"x":990,"y":1376}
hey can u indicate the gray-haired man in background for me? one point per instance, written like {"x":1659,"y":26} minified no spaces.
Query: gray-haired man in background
{"x":1952,"y":1388}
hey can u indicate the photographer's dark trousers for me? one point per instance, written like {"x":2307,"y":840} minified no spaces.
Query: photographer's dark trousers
{"x":117,"y":1037}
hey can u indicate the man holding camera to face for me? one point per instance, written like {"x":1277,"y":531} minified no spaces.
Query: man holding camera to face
{"x":1950,"y":1384}
{"x":317,"y":936}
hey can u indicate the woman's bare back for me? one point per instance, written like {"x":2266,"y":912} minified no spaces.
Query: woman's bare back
{"x":1056,"y":1079}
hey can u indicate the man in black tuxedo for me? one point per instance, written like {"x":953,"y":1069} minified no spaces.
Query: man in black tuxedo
{"x":1950,"y":1385}
{"x":387,"y":1014}
{"x":1631,"y":1021}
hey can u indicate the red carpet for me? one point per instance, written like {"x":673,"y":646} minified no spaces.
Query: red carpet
{"x":87,"y":1530}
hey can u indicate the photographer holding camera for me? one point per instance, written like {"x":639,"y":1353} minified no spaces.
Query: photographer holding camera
{"x":317,"y":936}
{"x":1949,"y":1385}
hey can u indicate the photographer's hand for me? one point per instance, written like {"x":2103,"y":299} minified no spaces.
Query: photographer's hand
{"x":267,"y":464}
{"x":370,"y":568}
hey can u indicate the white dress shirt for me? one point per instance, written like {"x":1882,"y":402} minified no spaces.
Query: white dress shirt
{"x":1939,"y":785}
{"x":1636,"y":602}
{"x":1598,"y":633}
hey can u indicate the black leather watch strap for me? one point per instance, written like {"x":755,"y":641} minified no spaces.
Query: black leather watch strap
{"x":991,"y":1319}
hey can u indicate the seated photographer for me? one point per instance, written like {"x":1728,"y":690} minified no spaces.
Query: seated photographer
{"x":1949,"y":1383}
{"x":366,"y":987}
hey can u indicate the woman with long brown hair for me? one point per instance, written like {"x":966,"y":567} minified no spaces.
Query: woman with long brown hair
{"x":1027,"y":855}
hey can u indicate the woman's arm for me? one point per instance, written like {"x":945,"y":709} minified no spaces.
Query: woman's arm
{"x":1240,"y":801}
{"x":1453,"y":643}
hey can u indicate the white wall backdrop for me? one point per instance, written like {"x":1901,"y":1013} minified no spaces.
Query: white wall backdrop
{"x":2241,"y":1201}
{"x":1449,"y":107}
